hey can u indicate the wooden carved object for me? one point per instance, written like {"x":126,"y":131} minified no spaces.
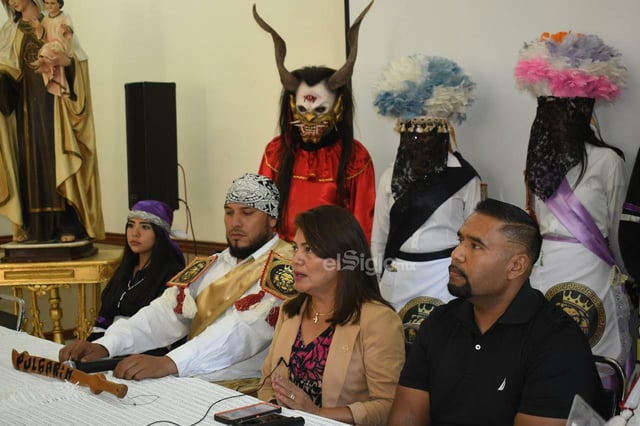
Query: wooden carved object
{"x":47,"y":367}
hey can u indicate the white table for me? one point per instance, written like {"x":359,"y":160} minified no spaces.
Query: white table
{"x":31,"y":399}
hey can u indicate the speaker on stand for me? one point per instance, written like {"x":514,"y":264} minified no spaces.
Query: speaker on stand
{"x":152,"y":152}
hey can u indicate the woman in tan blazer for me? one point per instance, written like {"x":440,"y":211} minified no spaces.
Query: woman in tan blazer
{"x":338,"y":346}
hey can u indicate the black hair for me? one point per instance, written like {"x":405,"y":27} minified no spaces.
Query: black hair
{"x":518,"y":226}
{"x":161,"y":254}
{"x":332,"y":232}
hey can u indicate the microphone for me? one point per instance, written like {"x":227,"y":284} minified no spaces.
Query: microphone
{"x":104,"y":364}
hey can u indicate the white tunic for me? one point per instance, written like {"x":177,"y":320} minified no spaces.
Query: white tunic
{"x":232,"y":347}
{"x":439,"y":232}
{"x":602,"y":192}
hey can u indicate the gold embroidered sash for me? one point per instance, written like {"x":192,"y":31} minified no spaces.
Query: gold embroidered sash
{"x":220,"y":294}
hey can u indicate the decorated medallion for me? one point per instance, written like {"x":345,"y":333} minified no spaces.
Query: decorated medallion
{"x":30,"y":53}
{"x":192,"y":271}
{"x":414,"y":312}
{"x":277,"y":277}
{"x":583,"y":305}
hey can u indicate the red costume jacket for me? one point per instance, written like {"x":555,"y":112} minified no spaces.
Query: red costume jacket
{"x":314,"y":181}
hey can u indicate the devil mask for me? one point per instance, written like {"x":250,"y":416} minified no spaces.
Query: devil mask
{"x":316,"y":109}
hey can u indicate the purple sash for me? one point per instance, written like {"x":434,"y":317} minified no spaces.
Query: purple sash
{"x":575,"y":217}
{"x":632,"y":207}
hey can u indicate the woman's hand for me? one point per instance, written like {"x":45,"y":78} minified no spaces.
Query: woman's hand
{"x":291,"y":396}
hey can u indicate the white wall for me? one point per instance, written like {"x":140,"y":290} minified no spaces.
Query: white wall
{"x":227,"y":86}
{"x":484,"y":38}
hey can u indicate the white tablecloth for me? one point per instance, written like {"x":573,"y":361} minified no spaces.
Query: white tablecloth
{"x":31,"y":399}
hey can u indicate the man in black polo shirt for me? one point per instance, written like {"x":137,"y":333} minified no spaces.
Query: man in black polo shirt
{"x":500,"y":354}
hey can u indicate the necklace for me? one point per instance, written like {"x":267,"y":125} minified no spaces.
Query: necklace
{"x":129,"y":287}
{"x":317,"y":314}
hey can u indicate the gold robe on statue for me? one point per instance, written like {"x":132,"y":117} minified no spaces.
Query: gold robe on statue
{"x":74,"y":148}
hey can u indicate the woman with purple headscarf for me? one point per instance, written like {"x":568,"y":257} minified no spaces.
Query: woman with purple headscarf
{"x":149,"y":260}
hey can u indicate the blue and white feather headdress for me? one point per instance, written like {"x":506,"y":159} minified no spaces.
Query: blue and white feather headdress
{"x":424,"y":92}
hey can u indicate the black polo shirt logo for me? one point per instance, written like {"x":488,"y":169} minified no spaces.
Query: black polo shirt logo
{"x":583,"y":305}
{"x":414,"y":312}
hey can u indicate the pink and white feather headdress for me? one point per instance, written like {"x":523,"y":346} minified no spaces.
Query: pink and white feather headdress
{"x":569,"y":65}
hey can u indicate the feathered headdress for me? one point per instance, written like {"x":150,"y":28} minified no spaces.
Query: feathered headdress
{"x":423,"y":92}
{"x":569,"y":65}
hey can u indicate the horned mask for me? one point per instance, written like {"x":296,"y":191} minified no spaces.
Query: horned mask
{"x":315,"y":109}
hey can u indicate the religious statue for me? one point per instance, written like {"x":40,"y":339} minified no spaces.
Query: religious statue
{"x":49,"y":182}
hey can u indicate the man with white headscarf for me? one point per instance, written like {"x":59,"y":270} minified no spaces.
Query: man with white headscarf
{"x":227,"y":307}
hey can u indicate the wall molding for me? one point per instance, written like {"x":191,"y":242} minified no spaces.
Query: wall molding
{"x":201,"y":248}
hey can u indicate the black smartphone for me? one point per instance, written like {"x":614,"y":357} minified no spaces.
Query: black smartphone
{"x":247,"y":412}
{"x":273,"y":419}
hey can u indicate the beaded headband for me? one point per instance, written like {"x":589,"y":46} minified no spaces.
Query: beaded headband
{"x":255,"y":191}
{"x":153,"y":211}
{"x":151,"y":218}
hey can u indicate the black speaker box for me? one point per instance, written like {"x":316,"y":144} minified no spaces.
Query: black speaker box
{"x":152,"y":152}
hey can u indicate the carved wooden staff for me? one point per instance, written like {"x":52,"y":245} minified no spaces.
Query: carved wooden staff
{"x":47,"y":367}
